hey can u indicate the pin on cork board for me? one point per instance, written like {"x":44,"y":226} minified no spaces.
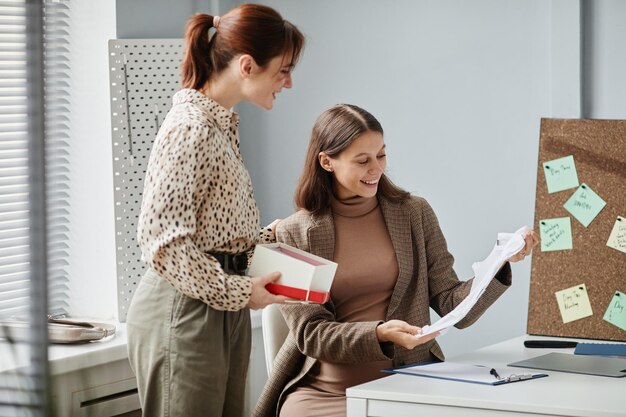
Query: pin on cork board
{"x":578,"y":274}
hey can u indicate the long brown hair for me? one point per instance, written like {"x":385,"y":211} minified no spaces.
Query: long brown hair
{"x":252,"y":29}
{"x":333,"y":131}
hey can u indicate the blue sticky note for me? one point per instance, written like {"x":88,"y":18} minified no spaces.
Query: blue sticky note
{"x":560,"y":174}
{"x":584,"y":204}
{"x":616,"y":311}
{"x":556,"y":234}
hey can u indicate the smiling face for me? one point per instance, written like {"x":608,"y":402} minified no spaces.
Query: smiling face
{"x":358,"y":168}
{"x":263,"y":84}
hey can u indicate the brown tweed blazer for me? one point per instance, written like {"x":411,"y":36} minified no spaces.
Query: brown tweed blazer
{"x":426,"y":279}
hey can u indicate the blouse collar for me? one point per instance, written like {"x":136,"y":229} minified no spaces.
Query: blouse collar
{"x":224,"y":117}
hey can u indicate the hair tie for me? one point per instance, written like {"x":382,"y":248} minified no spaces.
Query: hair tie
{"x":216,"y":22}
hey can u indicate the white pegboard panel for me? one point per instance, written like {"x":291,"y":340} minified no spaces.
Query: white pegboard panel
{"x":144,"y":75}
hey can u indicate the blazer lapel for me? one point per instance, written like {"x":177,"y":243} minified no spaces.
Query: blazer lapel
{"x":321,"y":236}
{"x":398,"y":223}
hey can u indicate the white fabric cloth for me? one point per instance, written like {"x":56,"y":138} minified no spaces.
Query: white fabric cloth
{"x":507,"y":245}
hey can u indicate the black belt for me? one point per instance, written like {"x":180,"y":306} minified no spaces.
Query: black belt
{"x":232,"y":263}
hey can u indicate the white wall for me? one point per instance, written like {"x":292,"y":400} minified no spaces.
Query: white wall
{"x":459,"y":87}
{"x":604,"y":59}
{"x":91,"y":268}
{"x":162,"y":19}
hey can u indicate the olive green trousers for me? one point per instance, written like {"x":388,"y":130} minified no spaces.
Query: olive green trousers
{"x":190,"y":360}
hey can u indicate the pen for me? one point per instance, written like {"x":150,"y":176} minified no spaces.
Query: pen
{"x":495,"y":373}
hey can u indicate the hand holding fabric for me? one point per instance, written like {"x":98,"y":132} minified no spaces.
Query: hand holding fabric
{"x":530,"y":241}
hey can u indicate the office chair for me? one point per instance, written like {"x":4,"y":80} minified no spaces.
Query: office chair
{"x":275,"y":331}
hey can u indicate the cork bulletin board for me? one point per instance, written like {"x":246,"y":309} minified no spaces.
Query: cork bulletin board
{"x":591,"y":265}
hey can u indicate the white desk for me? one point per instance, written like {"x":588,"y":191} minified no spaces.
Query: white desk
{"x":560,"y":394}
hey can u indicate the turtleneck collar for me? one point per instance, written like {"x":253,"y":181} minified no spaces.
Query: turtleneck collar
{"x":353,"y":206}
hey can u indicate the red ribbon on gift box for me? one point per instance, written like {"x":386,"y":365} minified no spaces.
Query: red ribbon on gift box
{"x":298,"y":293}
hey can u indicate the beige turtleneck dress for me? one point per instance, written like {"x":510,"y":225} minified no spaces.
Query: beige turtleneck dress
{"x":366,"y":276}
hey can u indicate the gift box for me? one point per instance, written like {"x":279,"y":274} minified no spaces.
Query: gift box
{"x":304,"y":276}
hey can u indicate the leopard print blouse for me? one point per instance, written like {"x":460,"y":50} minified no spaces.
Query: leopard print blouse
{"x":198,"y":198}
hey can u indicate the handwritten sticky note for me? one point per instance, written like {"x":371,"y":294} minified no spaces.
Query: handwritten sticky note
{"x":584,"y":204}
{"x":556,"y":234}
{"x":560,"y":174}
{"x":616,"y":312}
{"x":574,"y":303}
{"x":617,"y":238}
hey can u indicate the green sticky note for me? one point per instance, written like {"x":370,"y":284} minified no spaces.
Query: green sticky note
{"x":617,"y":238}
{"x":574,"y":303}
{"x":616,"y":312}
{"x":560,"y":174}
{"x":556,"y":234}
{"x":584,"y":204}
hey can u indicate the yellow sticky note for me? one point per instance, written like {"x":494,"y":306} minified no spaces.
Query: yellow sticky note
{"x":574,"y":303}
{"x":617,"y":238}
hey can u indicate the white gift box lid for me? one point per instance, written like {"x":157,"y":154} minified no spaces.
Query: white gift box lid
{"x":298,"y":268}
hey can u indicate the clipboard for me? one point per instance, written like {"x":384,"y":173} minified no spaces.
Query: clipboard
{"x":578,"y":364}
{"x":461,"y":372}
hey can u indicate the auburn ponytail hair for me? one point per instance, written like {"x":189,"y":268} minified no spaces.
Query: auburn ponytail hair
{"x":252,"y":29}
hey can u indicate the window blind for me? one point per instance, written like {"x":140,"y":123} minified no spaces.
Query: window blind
{"x":57,"y":66}
{"x":14,"y":220}
{"x":34,"y":137}
{"x":14,"y":209}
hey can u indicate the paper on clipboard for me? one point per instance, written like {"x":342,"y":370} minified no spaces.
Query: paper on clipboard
{"x":461,"y":372}
{"x":507,"y":245}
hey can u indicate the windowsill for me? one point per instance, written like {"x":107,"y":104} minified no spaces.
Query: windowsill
{"x":69,"y":358}
{"x":63,"y":359}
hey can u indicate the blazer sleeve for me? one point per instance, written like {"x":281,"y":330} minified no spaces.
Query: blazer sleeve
{"x":318,"y":335}
{"x":446,"y":291}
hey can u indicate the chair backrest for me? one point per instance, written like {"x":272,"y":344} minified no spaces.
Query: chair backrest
{"x":275,"y":331}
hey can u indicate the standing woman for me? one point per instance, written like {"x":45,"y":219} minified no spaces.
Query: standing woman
{"x":189,"y":323}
